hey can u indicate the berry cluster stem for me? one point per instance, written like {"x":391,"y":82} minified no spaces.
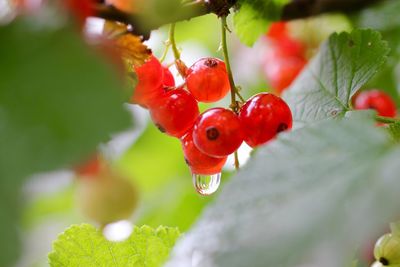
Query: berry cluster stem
{"x":180,"y":66}
{"x":234,"y":92}
{"x":175,"y":50}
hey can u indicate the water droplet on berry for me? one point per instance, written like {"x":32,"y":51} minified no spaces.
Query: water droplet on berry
{"x":206,"y":184}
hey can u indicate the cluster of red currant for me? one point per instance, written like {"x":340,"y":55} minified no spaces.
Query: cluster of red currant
{"x":377,"y":100}
{"x":285,"y":57}
{"x":207,"y":138}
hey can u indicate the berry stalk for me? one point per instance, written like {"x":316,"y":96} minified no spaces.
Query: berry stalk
{"x":180,"y":66}
{"x":234,"y":104}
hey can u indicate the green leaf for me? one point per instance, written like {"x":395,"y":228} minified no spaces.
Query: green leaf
{"x":310,"y":198}
{"x":344,"y":63}
{"x":254,"y":17}
{"x":58,"y":101}
{"x":84,"y":245}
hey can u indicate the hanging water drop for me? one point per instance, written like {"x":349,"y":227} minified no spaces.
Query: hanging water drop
{"x":206,"y":184}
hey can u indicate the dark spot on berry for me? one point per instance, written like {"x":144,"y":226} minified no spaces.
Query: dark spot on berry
{"x":211,"y":63}
{"x":384,"y":261}
{"x":282,"y":127}
{"x":187,"y":161}
{"x":159,"y":126}
{"x":351,"y":43}
{"x":212,"y":133}
{"x":371,"y":106}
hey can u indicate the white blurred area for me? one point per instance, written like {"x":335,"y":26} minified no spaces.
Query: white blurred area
{"x":118,"y":231}
{"x":6,"y":11}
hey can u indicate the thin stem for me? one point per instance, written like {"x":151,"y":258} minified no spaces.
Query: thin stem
{"x":387,"y":119}
{"x":180,"y":66}
{"x":175,"y":50}
{"x":234,"y":104}
{"x":165,"y":53}
{"x":237,"y":164}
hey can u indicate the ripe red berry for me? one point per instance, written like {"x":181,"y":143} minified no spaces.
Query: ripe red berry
{"x":150,"y":79}
{"x":198,"y":162}
{"x":378,"y":100}
{"x":81,"y":9}
{"x":282,"y":43}
{"x":278,"y":30}
{"x":168,"y":79}
{"x":264,"y":116}
{"x":281,"y":70}
{"x":175,"y":112}
{"x":217,"y":132}
{"x":89,"y":168}
{"x":207,"y":80}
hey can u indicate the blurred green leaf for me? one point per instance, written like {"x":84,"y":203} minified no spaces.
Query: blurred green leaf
{"x":383,"y":16}
{"x":58,"y":101}
{"x":49,"y":205}
{"x":84,"y":245}
{"x":254,"y":16}
{"x":344,"y":63}
{"x":310,"y":198}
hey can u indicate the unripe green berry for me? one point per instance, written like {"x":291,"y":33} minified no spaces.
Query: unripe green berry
{"x":108,"y":198}
{"x":387,"y":250}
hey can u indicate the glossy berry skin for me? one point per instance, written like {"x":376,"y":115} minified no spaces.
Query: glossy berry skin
{"x":207,"y":80}
{"x":217,"y":132}
{"x":150,"y":79}
{"x":264,"y":116}
{"x":198,"y":162}
{"x":175,"y":112}
{"x":168,"y":79}
{"x":378,"y":100}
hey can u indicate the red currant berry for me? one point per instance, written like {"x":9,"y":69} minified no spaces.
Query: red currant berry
{"x":198,"y":162}
{"x":89,"y":168}
{"x":175,"y":112}
{"x":378,"y":100}
{"x":289,"y":47}
{"x":217,"y":132}
{"x":150,"y":79}
{"x":281,"y":71}
{"x":264,"y":116}
{"x":81,"y":9}
{"x":277,"y":30}
{"x":207,"y":80}
{"x":168,"y":79}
